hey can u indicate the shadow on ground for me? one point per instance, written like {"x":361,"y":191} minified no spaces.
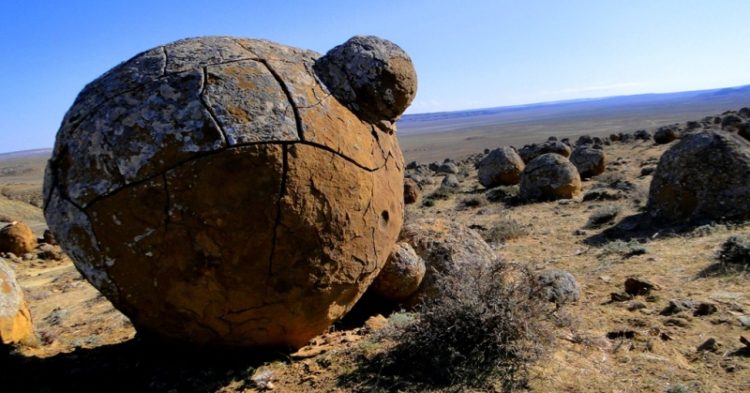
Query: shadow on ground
{"x":138,"y":365}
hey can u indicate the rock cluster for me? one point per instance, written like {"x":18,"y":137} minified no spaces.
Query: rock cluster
{"x":231,"y":191}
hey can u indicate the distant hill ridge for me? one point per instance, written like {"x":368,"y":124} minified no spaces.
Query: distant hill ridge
{"x":646,"y":98}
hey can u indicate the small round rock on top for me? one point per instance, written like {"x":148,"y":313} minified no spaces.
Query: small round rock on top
{"x":501,"y":167}
{"x":549,"y":177}
{"x":155,"y":155}
{"x":703,"y":176}
{"x":401,"y":275}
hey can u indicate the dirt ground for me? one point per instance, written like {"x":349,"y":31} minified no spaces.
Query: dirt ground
{"x":624,"y":346}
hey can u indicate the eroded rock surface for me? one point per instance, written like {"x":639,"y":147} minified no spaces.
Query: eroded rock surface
{"x":15,"y":319}
{"x":217,"y":191}
{"x":704,"y":176}
{"x":501,"y":167}
{"x":549,"y":177}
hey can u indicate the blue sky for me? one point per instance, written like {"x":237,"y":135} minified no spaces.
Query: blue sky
{"x":468,"y":53}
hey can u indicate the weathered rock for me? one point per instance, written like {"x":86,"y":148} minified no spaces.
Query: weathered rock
{"x":49,"y":237}
{"x":736,"y":250}
{"x":450,"y":181}
{"x":559,"y":287}
{"x":704,"y":176}
{"x":550,"y":177}
{"x":639,"y":286}
{"x":666,"y":134}
{"x":372,"y":76}
{"x":502,"y":167}
{"x":530,"y":152}
{"x":642,"y":135}
{"x":15,"y":320}
{"x":444,"y":246}
{"x":584,"y":140}
{"x":589,"y":160}
{"x":400,"y":277}
{"x":216,"y":191}
{"x":17,"y":238}
{"x":448,"y":167}
{"x":411,"y":191}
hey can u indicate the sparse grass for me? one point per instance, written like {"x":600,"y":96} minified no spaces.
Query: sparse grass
{"x":504,"y":229}
{"x":486,"y":322}
{"x":474,"y":201}
{"x":603,"y":215}
{"x":624,"y":249}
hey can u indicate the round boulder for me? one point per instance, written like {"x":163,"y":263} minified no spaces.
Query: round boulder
{"x":401,"y":275}
{"x":444,"y":246}
{"x":502,"y":167}
{"x":234,"y":192}
{"x":411,"y":191}
{"x":589,"y":160}
{"x":450,"y":181}
{"x":549,"y":177}
{"x":15,"y":319}
{"x":17,"y":238}
{"x":704,"y":176}
{"x":665,"y":135}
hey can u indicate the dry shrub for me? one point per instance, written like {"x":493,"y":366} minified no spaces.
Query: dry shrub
{"x":736,"y":250}
{"x":603,"y":215}
{"x":504,"y":229}
{"x":486,"y":324}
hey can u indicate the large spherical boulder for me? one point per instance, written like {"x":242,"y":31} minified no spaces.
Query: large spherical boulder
{"x":15,"y":319}
{"x":589,"y":160}
{"x":704,"y":176}
{"x":549,"y":177}
{"x":17,"y":238}
{"x":400,"y":277}
{"x":501,"y":167}
{"x":234,"y":192}
{"x":534,"y":150}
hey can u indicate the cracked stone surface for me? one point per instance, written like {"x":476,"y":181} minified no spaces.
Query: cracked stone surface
{"x":549,"y":177}
{"x":15,"y":319}
{"x":704,"y":176}
{"x":216,"y":191}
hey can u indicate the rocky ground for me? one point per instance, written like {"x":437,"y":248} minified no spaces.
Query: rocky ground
{"x":608,"y":341}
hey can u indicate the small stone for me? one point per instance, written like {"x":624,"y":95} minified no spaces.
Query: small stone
{"x":411,"y":191}
{"x":620,"y":296}
{"x":744,"y":320}
{"x":704,"y":308}
{"x":638,"y":286}
{"x":679,"y":322}
{"x":677,"y":306}
{"x":402,"y":274}
{"x":710,"y":345}
{"x":633,"y":306}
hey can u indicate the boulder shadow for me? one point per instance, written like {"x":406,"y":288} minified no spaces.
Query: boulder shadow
{"x":642,"y":227}
{"x":138,"y":365}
